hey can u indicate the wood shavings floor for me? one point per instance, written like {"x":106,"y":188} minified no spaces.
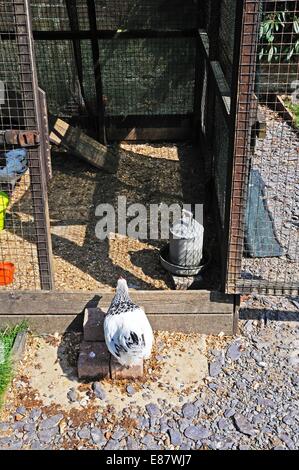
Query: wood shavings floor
{"x":146,"y":174}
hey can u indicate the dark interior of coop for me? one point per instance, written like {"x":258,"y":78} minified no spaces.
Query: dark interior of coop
{"x":153,"y":83}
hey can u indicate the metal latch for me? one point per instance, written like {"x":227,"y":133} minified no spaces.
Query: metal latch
{"x":20,"y":138}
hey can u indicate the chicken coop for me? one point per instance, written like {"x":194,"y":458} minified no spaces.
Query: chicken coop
{"x":187,"y":102}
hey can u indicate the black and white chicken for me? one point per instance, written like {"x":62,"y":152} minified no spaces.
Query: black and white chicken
{"x":128,"y":333}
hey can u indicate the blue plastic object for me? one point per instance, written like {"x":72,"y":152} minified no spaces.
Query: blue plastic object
{"x":16,"y":165}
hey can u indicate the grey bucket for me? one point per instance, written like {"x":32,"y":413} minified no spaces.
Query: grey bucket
{"x":186,"y":241}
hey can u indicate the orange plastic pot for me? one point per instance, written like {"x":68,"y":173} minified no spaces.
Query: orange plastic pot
{"x":7,"y":271}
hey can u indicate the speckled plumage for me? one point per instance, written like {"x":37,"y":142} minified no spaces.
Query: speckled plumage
{"x":121,"y":306}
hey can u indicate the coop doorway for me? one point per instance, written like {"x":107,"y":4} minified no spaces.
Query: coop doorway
{"x":135,"y":86}
{"x":147,"y":174}
{"x":152,"y":86}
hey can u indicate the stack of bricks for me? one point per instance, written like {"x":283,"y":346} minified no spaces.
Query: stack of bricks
{"x":95,"y":361}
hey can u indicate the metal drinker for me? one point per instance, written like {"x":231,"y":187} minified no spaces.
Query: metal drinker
{"x":186,"y":241}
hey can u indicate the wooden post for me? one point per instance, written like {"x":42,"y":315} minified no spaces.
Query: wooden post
{"x":97,"y":71}
{"x":199,"y":74}
{"x":246,"y":38}
{"x":32,"y":118}
{"x":213,"y":35}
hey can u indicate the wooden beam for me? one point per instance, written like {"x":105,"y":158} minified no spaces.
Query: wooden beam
{"x":154,"y":120}
{"x":92,"y":16}
{"x":105,"y":34}
{"x":45,"y":142}
{"x":243,"y":81}
{"x":32,"y":120}
{"x":210,"y":324}
{"x":282,"y":110}
{"x":222,"y":88}
{"x":154,"y":128}
{"x":154,"y":302}
{"x":222,"y":85}
{"x":187,"y":311}
{"x":81,"y":145}
{"x":139,"y":134}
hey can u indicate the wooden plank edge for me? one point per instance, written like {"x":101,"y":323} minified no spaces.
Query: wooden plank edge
{"x":210,"y":324}
{"x":66,"y":297}
{"x":14,"y":303}
{"x":276,"y":103}
{"x":138,"y":134}
{"x":283,"y":111}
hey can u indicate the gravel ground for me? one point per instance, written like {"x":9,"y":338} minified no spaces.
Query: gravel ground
{"x":276,"y":157}
{"x":247,"y":400}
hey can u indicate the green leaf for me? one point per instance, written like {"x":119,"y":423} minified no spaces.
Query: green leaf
{"x":266,"y":26}
{"x":270,"y":53}
{"x":291,"y":52}
{"x":296,"y":26}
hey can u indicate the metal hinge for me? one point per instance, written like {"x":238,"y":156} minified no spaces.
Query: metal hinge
{"x":19,"y":138}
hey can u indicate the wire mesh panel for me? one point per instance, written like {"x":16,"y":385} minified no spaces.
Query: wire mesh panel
{"x":263,"y":250}
{"x":155,"y":76}
{"x":215,"y":121}
{"x":25,"y":249}
{"x":227,"y":25}
{"x":60,"y":79}
{"x":221,"y":134}
{"x":141,"y":14}
{"x":116,"y":14}
{"x":49,"y":15}
{"x":100,"y":59}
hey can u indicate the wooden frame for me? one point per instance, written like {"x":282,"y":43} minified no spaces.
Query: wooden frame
{"x":33,"y":120}
{"x":188,"y":311}
{"x":242,"y":112}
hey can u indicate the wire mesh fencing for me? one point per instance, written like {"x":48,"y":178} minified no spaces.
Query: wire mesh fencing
{"x":264,"y":207}
{"x":115,"y":58}
{"x":229,"y":69}
{"x":25,"y":255}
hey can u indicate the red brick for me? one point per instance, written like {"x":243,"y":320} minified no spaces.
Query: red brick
{"x":96,"y":367}
{"x":121,"y":372}
{"x":93,"y":324}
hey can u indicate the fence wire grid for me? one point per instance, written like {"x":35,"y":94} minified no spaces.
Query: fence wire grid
{"x":265,"y":197}
{"x":24,"y":246}
{"x":230,"y":67}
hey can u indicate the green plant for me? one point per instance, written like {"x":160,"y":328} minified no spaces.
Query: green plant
{"x":7,"y":338}
{"x":279,"y":37}
{"x":294,"y":108}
